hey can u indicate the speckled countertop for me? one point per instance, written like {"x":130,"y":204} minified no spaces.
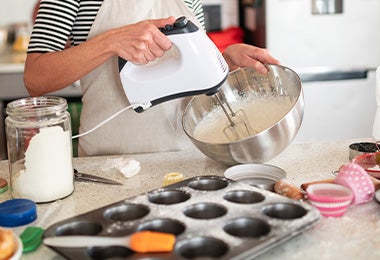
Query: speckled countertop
{"x":353,"y":236}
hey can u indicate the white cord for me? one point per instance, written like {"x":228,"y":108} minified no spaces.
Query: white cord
{"x":106,"y":120}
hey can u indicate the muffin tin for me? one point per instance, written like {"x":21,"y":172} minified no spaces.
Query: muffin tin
{"x":211,"y":216}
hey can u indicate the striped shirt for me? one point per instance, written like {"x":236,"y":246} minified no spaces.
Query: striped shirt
{"x":59,"y":20}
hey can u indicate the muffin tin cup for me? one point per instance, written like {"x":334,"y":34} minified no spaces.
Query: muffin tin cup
{"x":211,"y":216}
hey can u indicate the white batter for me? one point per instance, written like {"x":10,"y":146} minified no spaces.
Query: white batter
{"x":262,"y":113}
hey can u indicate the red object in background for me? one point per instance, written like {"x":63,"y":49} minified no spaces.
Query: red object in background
{"x":222,"y":39}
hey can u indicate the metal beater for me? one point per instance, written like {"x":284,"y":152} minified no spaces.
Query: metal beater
{"x":239,"y":126}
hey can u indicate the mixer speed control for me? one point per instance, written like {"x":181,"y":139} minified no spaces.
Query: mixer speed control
{"x":181,"y":25}
{"x":181,"y":22}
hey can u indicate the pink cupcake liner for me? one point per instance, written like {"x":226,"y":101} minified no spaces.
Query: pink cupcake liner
{"x":331,"y":199}
{"x":355,"y":177}
{"x":332,"y":213}
{"x":328,"y":193}
{"x":335,"y":205}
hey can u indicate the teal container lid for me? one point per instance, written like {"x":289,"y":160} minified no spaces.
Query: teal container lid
{"x":17,"y":212}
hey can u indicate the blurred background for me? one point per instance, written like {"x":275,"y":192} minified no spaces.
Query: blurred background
{"x":334,"y":46}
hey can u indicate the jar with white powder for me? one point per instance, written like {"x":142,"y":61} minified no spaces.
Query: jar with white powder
{"x":38,"y":131}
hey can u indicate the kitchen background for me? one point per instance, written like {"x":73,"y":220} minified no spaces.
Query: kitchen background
{"x":327,"y":42}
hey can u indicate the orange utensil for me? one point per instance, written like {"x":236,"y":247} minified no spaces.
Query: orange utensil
{"x":141,"y":242}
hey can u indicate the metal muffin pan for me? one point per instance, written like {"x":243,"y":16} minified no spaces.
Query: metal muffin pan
{"x":211,"y":216}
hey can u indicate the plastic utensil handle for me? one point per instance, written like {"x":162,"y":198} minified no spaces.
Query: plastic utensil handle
{"x":85,"y":241}
{"x":31,"y":238}
{"x":142,"y":242}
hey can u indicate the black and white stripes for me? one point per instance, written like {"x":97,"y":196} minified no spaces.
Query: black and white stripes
{"x":59,"y":20}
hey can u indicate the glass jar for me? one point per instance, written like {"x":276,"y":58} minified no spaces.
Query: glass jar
{"x":38,"y":131}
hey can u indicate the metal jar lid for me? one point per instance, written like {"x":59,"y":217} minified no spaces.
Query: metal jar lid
{"x":357,"y":149}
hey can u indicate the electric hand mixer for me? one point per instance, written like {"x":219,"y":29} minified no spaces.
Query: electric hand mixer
{"x":192,"y":66}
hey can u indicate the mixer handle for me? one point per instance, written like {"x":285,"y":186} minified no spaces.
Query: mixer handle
{"x":180,"y":26}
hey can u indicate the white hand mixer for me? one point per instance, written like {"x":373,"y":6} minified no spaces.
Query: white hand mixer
{"x":192,"y":66}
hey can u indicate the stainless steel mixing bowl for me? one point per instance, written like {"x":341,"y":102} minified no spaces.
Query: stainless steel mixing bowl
{"x":243,"y":84}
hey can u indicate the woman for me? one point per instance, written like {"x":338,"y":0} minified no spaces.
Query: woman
{"x":128,"y":29}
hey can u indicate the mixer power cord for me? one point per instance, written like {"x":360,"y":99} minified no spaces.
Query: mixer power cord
{"x":106,"y":120}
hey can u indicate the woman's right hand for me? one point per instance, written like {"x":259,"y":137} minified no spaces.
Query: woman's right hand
{"x":142,"y":42}
{"x":138,"y":43}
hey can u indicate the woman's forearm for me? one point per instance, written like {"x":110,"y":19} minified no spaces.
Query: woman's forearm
{"x":48,"y":72}
{"x":139,"y":43}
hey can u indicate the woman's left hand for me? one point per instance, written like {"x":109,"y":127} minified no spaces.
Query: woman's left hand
{"x":244,"y":55}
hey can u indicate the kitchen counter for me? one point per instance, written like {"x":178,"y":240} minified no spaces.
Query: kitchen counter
{"x":353,"y":236}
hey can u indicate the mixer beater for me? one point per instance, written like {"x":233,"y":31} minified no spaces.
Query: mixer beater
{"x":238,"y":127}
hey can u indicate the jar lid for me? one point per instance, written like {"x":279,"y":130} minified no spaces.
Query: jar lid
{"x":357,"y":149}
{"x":17,"y":212}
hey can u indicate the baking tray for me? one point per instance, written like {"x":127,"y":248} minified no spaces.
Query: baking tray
{"x":211,"y":216}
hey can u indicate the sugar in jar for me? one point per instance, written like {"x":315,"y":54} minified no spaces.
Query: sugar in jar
{"x":38,"y":131}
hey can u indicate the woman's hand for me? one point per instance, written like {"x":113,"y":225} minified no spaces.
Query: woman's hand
{"x":142,"y":42}
{"x":244,"y":55}
{"x":139,"y":43}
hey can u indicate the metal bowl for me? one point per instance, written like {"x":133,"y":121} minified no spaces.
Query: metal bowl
{"x":247,"y":86}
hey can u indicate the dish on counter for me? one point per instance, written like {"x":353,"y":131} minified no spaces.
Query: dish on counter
{"x":370,"y":162}
{"x":260,"y":175}
{"x":357,"y":149}
{"x":11,"y":245}
{"x":18,"y":253}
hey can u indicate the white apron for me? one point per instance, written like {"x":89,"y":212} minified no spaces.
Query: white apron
{"x":156,"y":129}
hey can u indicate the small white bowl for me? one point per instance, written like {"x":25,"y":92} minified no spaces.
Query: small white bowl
{"x":259,"y":175}
{"x":17,"y":254}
